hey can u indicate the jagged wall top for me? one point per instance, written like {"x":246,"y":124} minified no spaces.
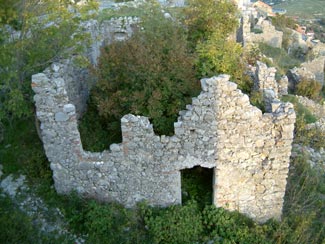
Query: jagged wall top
{"x":219,"y":130}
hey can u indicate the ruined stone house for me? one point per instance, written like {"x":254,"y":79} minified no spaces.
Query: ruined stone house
{"x":248,"y":151}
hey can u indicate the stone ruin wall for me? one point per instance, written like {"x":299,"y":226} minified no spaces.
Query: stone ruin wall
{"x":269,"y":34}
{"x":249,"y":151}
{"x":265,"y":82}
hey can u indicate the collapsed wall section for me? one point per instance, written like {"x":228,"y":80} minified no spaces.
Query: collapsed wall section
{"x":220,"y":129}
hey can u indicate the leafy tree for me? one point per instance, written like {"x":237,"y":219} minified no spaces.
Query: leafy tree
{"x":46,"y":30}
{"x":8,"y":11}
{"x":212,"y":25}
{"x":204,"y":17}
{"x":150,"y":74}
{"x":219,"y":55}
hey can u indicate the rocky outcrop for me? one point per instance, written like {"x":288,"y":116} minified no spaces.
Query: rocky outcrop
{"x":296,"y":75}
{"x":317,"y":109}
{"x":316,"y":67}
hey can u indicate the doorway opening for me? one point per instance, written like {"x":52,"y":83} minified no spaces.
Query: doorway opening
{"x":197,"y":184}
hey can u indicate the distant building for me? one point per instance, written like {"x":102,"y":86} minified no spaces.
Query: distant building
{"x":263,"y":8}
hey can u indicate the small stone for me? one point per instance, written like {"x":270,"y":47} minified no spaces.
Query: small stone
{"x":61,"y":117}
{"x":69,"y":108}
{"x":114,"y":147}
{"x":55,"y":67}
{"x":204,"y":85}
{"x":124,"y":120}
{"x":39,"y":79}
{"x":59,"y":82}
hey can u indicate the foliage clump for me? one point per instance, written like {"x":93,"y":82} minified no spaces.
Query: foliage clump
{"x":309,"y":88}
{"x":204,"y":18}
{"x":282,"y":22}
{"x":150,"y":74}
{"x":34,"y":34}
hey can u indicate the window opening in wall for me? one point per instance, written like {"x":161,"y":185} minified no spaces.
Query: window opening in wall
{"x":197,"y":185}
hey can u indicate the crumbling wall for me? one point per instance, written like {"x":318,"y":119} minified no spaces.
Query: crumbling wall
{"x":265,"y":82}
{"x":268,"y":35}
{"x":248,"y":150}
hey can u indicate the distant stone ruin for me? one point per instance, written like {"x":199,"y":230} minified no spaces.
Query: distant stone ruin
{"x":262,"y":31}
{"x":248,"y":151}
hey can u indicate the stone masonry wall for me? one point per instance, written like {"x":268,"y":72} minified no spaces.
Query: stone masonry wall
{"x":269,"y":34}
{"x":265,"y":82}
{"x":248,"y":150}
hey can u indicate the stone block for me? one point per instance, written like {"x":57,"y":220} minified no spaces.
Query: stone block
{"x":61,"y":117}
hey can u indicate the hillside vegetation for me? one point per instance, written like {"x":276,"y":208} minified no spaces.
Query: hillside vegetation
{"x":305,"y":9}
{"x":159,"y":72}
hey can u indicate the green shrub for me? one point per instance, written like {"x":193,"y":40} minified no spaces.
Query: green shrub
{"x":304,"y":208}
{"x":251,"y":54}
{"x":231,"y":227}
{"x":150,"y":74}
{"x":94,"y":135}
{"x":176,"y":224}
{"x":256,"y":99}
{"x":309,"y":88}
{"x":21,"y":149}
{"x":197,"y":185}
{"x":15,"y":226}
{"x":282,"y":22}
{"x":218,"y":55}
{"x":106,"y":223}
{"x":203,"y":18}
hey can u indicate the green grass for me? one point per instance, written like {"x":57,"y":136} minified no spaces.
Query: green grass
{"x":307,"y":9}
{"x":281,"y":60}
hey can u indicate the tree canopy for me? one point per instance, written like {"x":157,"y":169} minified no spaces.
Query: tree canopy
{"x":34,"y":34}
{"x":150,"y":74}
